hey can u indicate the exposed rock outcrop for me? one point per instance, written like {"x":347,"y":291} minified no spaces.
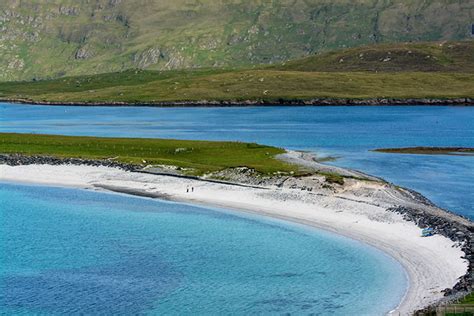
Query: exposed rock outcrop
{"x":148,"y":57}
{"x":84,"y":52}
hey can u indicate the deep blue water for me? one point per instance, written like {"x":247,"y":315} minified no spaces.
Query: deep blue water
{"x":68,"y":251}
{"x":347,"y":132}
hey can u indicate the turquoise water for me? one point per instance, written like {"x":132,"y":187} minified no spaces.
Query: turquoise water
{"x":347,"y":132}
{"x":67,"y":251}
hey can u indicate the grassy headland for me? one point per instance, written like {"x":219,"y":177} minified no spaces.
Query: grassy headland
{"x":198,"y":157}
{"x":429,"y":150}
{"x":399,"y":71}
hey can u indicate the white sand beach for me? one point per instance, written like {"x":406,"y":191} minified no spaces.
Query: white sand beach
{"x":356,"y":210}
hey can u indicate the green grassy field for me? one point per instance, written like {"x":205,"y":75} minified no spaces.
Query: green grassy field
{"x":464,"y":307}
{"x":469,"y":299}
{"x":398,"y":71}
{"x":255,"y":85}
{"x":199,"y":156}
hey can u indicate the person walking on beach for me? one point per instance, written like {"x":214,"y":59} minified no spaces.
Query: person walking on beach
{"x":187,"y":189}
{"x":192,"y":189}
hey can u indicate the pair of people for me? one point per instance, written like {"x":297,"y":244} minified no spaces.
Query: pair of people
{"x":187,"y":189}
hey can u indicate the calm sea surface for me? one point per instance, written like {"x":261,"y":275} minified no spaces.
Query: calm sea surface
{"x":346,"y":132}
{"x":66,"y":251}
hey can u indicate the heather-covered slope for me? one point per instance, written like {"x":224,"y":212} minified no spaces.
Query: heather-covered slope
{"x":47,"y":39}
{"x":401,"y":57}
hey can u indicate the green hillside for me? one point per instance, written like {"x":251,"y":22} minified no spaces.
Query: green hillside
{"x":448,"y":73}
{"x":55,"y":38}
{"x":425,"y":57}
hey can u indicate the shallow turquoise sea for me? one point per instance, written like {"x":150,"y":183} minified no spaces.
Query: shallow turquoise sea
{"x":68,"y":251}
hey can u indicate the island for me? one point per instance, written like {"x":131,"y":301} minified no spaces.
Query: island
{"x":265,"y":180}
{"x":464,"y":151}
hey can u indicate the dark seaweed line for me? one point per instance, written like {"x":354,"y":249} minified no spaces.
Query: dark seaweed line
{"x":262,"y":102}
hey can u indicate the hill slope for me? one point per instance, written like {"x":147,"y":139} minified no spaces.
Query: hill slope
{"x":426,"y":57}
{"x":447,"y":74}
{"x":53,"y":38}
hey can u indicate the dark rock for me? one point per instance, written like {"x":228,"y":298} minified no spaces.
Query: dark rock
{"x":17,"y":160}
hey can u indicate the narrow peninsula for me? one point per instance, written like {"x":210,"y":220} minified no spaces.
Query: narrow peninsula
{"x":263,"y":180}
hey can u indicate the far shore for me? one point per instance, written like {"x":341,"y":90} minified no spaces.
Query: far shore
{"x":368,"y":210}
{"x":259,"y":102}
{"x":450,"y":151}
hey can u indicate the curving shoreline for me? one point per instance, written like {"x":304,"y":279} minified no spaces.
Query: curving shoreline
{"x":369,"y":211}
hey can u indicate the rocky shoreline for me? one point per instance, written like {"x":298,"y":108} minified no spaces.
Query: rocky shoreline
{"x":261,"y":102}
{"x":455,"y":231}
{"x":20,"y":160}
{"x":422,"y":212}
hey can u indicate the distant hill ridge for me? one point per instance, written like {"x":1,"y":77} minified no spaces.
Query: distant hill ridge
{"x":420,"y":73}
{"x":55,"y":38}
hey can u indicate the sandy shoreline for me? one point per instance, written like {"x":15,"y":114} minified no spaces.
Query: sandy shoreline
{"x":358,"y":210}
